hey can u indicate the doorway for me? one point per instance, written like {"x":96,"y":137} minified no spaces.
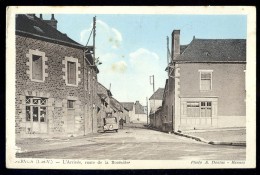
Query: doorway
{"x":36,"y":115}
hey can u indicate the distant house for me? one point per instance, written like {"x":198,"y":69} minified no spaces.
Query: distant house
{"x":51,"y":93}
{"x":128,"y":106}
{"x":155,"y":106}
{"x":206,"y":84}
{"x":136,"y":112}
{"x":156,"y":100}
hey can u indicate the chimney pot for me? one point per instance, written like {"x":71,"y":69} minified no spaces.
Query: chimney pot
{"x":53,"y":22}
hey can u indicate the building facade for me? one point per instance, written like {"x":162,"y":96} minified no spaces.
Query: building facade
{"x":206,"y":85}
{"x":55,"y":82}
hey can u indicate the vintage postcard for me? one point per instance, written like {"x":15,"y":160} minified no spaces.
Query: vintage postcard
{"x":131,"y":87}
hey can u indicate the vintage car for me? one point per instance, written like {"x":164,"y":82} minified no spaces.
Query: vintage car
{"x":110,"y":123}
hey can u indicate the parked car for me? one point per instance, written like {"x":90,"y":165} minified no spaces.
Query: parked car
{"x":110,"y":123}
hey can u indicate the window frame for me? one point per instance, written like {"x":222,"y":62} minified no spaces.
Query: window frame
{"x":200,"y":106}
{"x":29,"y":103}
{"x":71,"y":66}
{"x":211,"y":79}
{"x":30,"y":64}
{"x":75,"y":60}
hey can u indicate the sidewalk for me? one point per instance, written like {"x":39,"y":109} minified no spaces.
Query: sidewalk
{"x":221,"y":136}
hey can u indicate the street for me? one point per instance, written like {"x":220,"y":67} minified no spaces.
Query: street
{"x":139,"y":144}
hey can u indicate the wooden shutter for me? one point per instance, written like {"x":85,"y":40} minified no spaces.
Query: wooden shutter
{"x":71,"y":72}
{"x":37,"y":67}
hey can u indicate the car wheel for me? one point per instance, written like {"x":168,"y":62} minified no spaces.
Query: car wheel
{"x":116,"y":130}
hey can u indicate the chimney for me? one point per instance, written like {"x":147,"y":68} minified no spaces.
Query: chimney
{"x":41,"y":16}
{"x":175,"y":43}
{"x":52,"y":22}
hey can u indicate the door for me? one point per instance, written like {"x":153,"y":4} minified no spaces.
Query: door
{"x":70,"y":120}
{"x":36,"y":115}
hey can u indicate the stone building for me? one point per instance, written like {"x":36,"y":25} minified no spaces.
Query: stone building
{"x":128,"y":106}
{"x":206,"y":84}
{"x":56,"y":81}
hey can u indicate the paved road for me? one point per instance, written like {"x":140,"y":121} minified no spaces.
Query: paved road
{"x":141,"y":144}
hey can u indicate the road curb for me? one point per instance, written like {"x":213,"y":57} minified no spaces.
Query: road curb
{"x":228,"y":143}
{"x":211,"y":142}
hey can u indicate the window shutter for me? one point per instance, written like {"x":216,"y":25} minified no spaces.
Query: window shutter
{"x":37,"y":67}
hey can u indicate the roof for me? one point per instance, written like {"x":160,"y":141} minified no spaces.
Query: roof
{"x":157,"y":95}
{"x":215,"y":50}
{"x":116,"y":104}
{"x":139,"y":109}
{"x":101,"y":89}
{"x":103,"y":97}
{"x":34,"y":26}
{"x":182,"y":48}
{"x":165,"y":88}
{"x":128,"y":105}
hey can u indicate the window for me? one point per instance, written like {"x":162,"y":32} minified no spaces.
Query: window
{"x":71,"y":70}
{"x":199,"y":109}
{"x":193,"y":109}
{"x":36,"y":109}
{"x":205,"y":80}
{"x":37,"y":67}
{"x":70,"y":104}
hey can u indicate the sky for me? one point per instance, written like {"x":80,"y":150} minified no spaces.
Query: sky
{"x":134,"y":47}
